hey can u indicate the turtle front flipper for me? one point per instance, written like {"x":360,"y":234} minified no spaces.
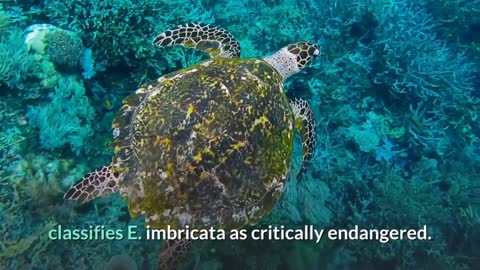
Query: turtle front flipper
{"x":171,"y":252}
{"x":212,"y":40}
{"x":305,"y":123}
{"x":95,"y":184}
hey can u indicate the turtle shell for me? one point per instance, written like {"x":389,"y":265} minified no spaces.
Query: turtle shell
{"x":208,"y":145}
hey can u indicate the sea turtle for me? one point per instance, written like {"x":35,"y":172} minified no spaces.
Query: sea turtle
{"x":208,"y":145}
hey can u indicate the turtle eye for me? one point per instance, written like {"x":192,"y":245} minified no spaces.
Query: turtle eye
{"x":313,"y":50}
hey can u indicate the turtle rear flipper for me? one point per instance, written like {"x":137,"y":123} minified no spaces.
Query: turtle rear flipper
{"x":95,"y":184}
{"x":171,"y":252}
{"x":212,"y":40}
{"x":305,"y":123}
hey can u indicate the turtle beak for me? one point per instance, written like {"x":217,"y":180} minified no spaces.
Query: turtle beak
{"x":317,"y":50}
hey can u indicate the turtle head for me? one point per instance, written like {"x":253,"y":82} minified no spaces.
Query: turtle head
{"x":293,"y":58}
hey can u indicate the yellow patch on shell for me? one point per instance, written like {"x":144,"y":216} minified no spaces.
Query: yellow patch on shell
{"x":223,"y":159}
{"x":203,"y":176}
{"x":157,"y":141}
{"x":263,"y":120}
{"x":248,"y":160}
{"x":209,"y":151}
{"x":237,"y":145}
{"x":209,"y":121}
{"x":191,"y":109}
{"x":249,"y":109}
{"x":198,"y":157}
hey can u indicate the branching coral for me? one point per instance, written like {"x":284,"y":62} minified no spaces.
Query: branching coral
{"x":31,"y":205}
{"x":394,"y":105}
{"x":415,"y":61}
{"x":15,"y":63}
{"x":66,"y":119}
{"x":120,"y":32}
{"x":408,"y":64}
{"x":4,"y":20}
{"x":457,"y":19}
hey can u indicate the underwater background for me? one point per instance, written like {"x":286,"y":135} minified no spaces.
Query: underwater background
{"x":396,"y":96}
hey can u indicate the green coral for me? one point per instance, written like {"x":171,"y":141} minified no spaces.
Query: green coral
{"x":423,"y":185}
{"x":60,"y":48}
{"x":120,"y":32}
{"x":15,"y":62}
{"x":66,"y":118}
{"x":4,"y":20}
{"x":63,"y":47}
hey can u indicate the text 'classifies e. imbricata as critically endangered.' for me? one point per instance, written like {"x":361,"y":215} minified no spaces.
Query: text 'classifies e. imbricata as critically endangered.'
{"x":308,"y":233}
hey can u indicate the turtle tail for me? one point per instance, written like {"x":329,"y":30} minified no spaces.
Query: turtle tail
{"x":95,"y":184}
{"x":212,"y":40}
{"x":171,"y":253}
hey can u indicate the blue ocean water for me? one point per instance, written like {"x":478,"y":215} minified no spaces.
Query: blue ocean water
{"x":394,"y":93}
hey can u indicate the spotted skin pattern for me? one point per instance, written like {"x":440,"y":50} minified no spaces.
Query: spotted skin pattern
{"x":304,"y":51}
{"x":212,"y":40}
{"x":305,"y":123}
{"x":208,"y":145}
{"x":95,"y":184}
{"x":172,"y":251}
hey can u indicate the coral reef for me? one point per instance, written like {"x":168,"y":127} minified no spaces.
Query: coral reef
{"x":15,"y":62}
{"x":66,"y":118}
{"x":395,"y":95}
